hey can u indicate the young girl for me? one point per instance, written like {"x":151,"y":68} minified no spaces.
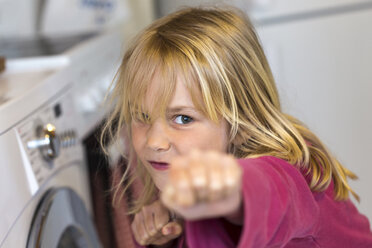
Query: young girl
{"x":222,"y":165}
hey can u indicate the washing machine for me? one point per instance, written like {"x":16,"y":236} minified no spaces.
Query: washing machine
{"x":48,"y":104}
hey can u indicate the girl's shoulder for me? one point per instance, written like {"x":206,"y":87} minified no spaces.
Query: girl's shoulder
{"x":266,"y":160}
{"x":274,"y":169}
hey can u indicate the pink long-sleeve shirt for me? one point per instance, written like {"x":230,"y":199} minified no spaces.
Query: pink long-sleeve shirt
{"x":280,"y":210}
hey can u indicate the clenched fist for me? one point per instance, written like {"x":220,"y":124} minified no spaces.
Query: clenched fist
{"x":203,"y":185}
{"x":153,"y":225}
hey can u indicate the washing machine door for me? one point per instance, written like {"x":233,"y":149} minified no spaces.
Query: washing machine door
{"x":62,"y":221}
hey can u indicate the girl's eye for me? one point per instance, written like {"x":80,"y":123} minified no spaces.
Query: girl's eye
{"x":145,"y":117}
{"x":183,"y":119}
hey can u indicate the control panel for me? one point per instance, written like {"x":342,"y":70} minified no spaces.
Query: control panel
{"x":49,"y":140}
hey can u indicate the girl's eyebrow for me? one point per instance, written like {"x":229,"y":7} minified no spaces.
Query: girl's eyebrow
{"x":180,"y":109}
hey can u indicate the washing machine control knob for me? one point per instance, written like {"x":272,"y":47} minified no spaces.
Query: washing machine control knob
{"x":49,"y":143}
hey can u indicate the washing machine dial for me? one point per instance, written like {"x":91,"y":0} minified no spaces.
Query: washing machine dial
{"x":49,"y":143}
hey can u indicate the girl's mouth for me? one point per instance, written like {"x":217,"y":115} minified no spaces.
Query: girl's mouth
{"x":159,"y":165}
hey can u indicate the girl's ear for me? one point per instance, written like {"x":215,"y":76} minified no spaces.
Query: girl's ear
{"x":238,"y":140}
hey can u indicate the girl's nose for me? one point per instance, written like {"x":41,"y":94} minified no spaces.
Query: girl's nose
{"x":157,"y":136}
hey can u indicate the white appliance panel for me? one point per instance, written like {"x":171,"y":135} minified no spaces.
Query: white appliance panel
{"x":267,"y":9}
{"x":322,"y":69}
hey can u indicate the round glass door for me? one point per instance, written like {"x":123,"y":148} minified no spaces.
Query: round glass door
{"x":62,"y":221}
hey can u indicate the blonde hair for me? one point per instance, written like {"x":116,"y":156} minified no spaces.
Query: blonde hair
{"x":219,"y":49}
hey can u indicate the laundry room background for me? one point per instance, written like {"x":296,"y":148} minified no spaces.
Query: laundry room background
{"x":59,"y":60}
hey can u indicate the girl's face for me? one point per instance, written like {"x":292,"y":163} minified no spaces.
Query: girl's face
{"x":183,"y":129}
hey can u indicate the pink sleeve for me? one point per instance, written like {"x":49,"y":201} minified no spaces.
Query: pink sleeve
{"x":278,"y":206}
{"x":278,"y":203}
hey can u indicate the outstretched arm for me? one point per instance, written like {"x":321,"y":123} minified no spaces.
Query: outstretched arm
{"x":267,"y":195}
